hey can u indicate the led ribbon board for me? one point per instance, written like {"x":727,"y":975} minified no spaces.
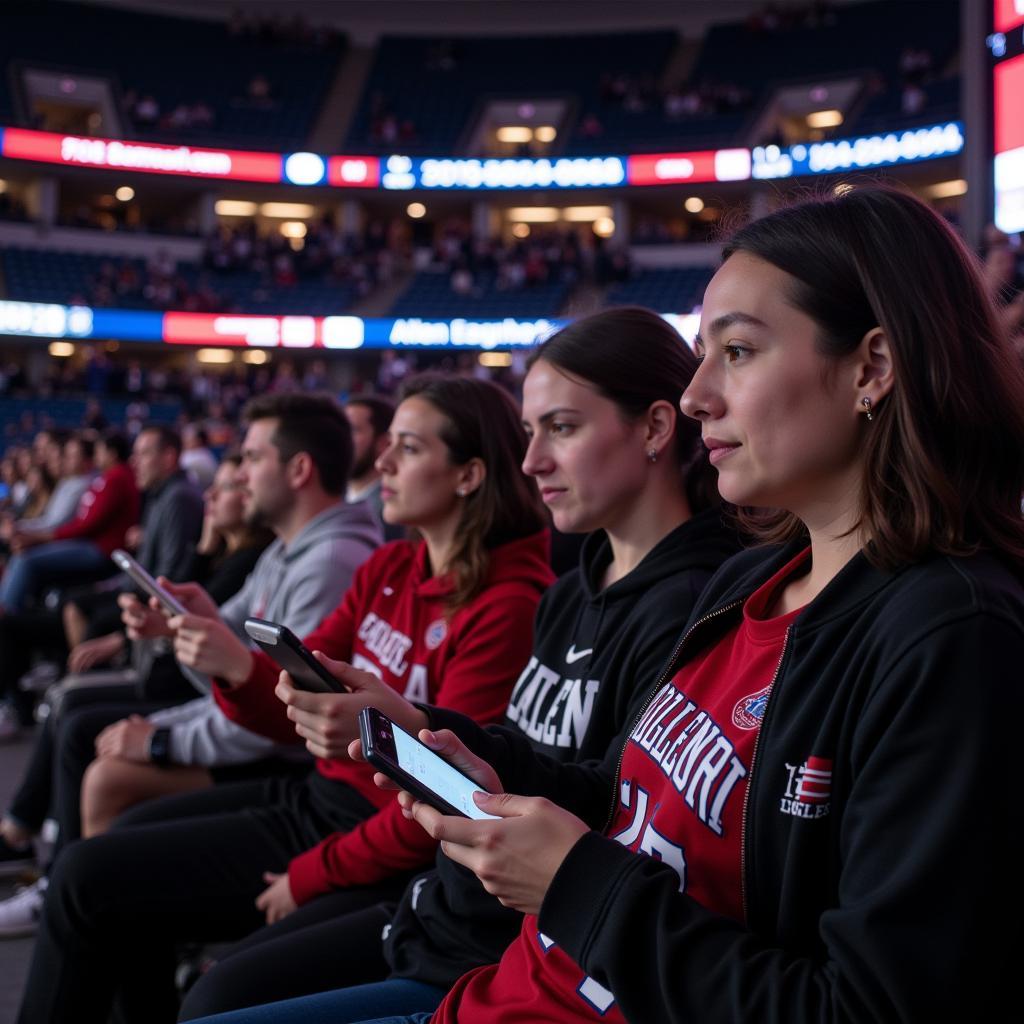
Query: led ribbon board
{"x":230,"y":330}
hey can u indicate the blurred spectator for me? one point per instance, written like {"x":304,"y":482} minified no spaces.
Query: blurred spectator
{"x":196,"y":458}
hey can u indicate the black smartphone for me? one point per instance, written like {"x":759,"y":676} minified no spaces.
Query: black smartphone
{"x":293,"y":656}
{"x":428,"y":776}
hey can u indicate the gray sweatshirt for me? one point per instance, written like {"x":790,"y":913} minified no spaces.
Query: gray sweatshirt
{"x":296,"y":585}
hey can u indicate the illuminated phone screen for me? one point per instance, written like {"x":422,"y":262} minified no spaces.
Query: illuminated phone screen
{"x":437,"y":775}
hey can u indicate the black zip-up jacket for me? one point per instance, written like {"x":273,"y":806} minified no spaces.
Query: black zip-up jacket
{"x":893,"y":900}
{"x":596,"y":649}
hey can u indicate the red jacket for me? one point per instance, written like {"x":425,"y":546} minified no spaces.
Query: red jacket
{"x":392,"y":622}
{"x":106,"y":511}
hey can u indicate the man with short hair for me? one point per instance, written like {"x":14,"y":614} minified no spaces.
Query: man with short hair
{"x":369,"y":416}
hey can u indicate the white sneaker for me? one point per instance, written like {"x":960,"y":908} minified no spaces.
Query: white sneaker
{"x":19,"y":915}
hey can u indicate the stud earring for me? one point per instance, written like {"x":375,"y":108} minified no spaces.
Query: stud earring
{"x":461,"y":492}
{"x":652,"y":456}
{"x":866,"y":402}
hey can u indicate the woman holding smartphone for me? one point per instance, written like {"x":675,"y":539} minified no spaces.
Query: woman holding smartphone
{"x":814,"y":817}
{"x":613,"y":458}
{"x":447,"y":618}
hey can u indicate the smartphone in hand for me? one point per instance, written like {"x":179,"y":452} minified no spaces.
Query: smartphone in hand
{"x":293,"y":656}
{"x":146,"y":583}
{"x":416,"y":768}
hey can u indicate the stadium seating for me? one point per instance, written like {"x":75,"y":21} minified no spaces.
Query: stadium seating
{"x":194,"y":61}
{"x":430,"y":295}
{"x":672,"y":290}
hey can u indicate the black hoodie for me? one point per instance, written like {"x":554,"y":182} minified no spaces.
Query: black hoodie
{"x":596,"y":652}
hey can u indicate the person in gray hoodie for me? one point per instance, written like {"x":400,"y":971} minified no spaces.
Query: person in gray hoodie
{"x":296,"y":457}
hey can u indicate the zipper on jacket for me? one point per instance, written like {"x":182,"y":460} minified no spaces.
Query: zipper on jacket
{"x":750,"y":776}
{"x":668,"y":672}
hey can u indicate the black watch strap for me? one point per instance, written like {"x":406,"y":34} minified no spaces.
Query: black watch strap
{"x":160,"y":747}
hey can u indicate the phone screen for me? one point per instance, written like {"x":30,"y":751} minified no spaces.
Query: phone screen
{"x":437,"y":775}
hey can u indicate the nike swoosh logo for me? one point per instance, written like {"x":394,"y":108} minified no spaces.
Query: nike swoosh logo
{"x":572,"y":655}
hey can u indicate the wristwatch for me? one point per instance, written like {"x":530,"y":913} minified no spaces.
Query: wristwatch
{"x":160,"y":747}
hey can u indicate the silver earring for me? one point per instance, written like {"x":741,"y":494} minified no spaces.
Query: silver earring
{"x":652,"y":456}
{"x":866,"y":402}
{"x":461,"y":492}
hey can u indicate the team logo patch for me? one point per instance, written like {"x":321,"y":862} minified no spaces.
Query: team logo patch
{"x":749,"y":711}
{"x":436,"y":632}
{"x":808,"y":788}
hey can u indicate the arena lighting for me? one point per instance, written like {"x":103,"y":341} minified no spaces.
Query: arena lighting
{"x":825,"y":119}
{"x":534,"y":214}
{"x":604,"y":227}
{"x":125,"y":193}
{"x":215,"y":355}
{"x":946,"y":189}
{"x":694,"y":204}
{"x":545,"y":133}
{"x":514,"y":133}
{"x":416,"y":210}
{"x":254,"y":333}
{"x":859,"y":153}
{"x":706,"y":165}
{"x":293,"y":229}
{"x":3,"y":186}
{"x":585,"y":214}
{"x":521,"y":230}
{"x":562,"y":172}
{"x":256,"y":357}
{"x":1008,"y":142}
{"x":494,"y":359}
{"x":234,"y":208}
{"x":286,"y":211}
{"x":61,"y":349}
{"x":305,"y":169}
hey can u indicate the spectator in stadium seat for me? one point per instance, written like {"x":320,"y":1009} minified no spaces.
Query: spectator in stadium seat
{"x":73,"y":477}
{"x":196,"y":458}
{"x":446,"y":618}
{"x":369,"y":416}
{"x":82,"y":546}
{"x":321,"y":542}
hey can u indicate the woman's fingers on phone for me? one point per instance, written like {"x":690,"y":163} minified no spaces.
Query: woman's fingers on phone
{"x":453,"y":750}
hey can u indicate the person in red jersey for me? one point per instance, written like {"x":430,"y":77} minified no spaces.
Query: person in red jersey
{"x":813,"y":816}
{"x":446,"y":618}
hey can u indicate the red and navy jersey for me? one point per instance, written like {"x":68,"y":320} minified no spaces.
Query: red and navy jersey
{"x":683,"y":783}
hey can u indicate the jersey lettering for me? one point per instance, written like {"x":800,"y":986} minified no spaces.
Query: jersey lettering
{"x":416,"y":689}
{"x":385,"y":642}
{"x":692,"y":751}
{"x":552,"y":710}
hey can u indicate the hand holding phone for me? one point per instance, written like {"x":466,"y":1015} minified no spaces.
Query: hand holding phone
{"x":146,"y":583}
{"x":288,"y":651}
{"x":417,"y":768}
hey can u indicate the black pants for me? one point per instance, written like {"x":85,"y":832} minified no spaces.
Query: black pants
{"x":332,"y":942}
{"x":22,"y":636}
{"x":65,"y":746}
{"x":118,"y":905}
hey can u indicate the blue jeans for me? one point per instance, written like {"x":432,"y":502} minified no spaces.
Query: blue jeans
{"x":400,"y":996}
{"x":59,"y":561}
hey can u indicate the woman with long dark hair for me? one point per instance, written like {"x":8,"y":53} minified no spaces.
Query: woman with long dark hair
{"x":613,"y":459}
{"x":813,"y":817}
{"x":445,"y":618}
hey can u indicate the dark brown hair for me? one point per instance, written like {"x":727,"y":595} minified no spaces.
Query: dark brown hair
{"x":634,"y":358}
{"x":314,"y":424}
{"x":944,"y":454}
{"x":482,"y":422}
{"x":381,"y":411}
